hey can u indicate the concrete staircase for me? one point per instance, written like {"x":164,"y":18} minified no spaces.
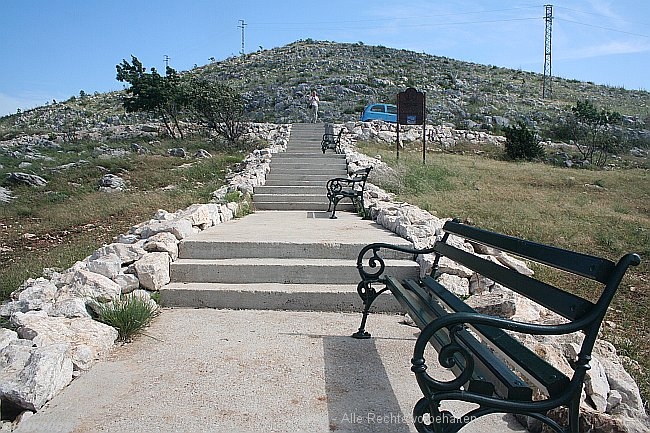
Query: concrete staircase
{"x":289,"y":255}
{"x":298,"y":176}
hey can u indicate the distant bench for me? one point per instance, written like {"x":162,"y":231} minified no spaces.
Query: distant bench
{"x":352,"y":187}
{"x":487,"y":362}
{"x":331,"y":140}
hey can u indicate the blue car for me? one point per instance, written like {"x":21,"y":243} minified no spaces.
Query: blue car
{"x":385,"y":112}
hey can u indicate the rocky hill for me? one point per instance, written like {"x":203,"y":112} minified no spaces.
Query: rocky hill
{"x":348,"y":76}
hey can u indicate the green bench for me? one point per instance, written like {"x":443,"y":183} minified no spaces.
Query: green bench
{"x":331,"y":140}
{"x":491,"y":368}
{"x":351,"y":187}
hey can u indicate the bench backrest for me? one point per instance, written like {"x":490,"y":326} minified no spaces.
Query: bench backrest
{"x":586,"y":315}
{"x":360,"y":177}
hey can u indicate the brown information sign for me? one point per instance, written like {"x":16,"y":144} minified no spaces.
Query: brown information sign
{"x":410,"y":107}
{"x":411,"y":110}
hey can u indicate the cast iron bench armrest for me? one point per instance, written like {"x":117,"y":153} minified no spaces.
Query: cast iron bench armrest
{"x":376,"y":260}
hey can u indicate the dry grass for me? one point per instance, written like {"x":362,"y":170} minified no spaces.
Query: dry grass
{"x":56,"y":225}
{"x":605,"y":213}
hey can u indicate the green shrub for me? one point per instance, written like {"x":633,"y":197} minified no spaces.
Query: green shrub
{"x":129,"y":315}
{"x":521,"y":143}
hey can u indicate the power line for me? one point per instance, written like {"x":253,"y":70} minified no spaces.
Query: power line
{"x":410,"y":25}
{"x":409,"y":18}
{"x":604,"y":16}
{"x":603,"y":28}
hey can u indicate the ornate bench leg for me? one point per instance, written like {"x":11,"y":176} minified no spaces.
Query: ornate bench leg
{"x":368,"y":294}
{"x":335,"y":200}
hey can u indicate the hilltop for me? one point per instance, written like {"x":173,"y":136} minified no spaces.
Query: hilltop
{"x":275,"y":82}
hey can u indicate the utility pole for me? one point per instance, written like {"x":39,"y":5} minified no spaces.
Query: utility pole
{"x":242,"y":25}
{"x":548,"y":75}
{"x":166,"y":59}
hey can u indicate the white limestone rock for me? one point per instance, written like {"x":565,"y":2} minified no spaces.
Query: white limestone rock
{"x":153,"y":270}
{"x":70,"y":308}
{"x":448,"y":266}
{"x":501,"y":304}
{"x":86,"y":284}
{"x":7,"y":336}
{"x":455,"y":284}
{"x":127,"y":282}
{"x":33,"y":294}
{"x":31,"y":376}
{"x":126,"y":252}
{"x":163,"y":242}
{"x":197,"y":215}
{"x":597,"y":386}
{"x":181,"y":228}
{"x":87,"y":339}
{"x":108,"y":265}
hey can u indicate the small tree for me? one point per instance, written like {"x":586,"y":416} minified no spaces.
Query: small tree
{"x":218,"y":106}
{"x":592,"y":131}
{"x":151,"y":92}
{"x":521,"y":143}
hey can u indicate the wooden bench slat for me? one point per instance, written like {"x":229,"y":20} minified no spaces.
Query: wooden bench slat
{"x":592,"y":267}
{"x":540,"y":372}
{"x":563,"y":303}
{"x":491,"y":372}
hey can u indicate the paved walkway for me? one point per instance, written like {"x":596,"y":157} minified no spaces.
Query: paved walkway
{"x":219,"y":370}
{"x":209,"y":370}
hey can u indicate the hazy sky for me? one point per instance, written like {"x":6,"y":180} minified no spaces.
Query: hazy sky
{"x":52,"y":49}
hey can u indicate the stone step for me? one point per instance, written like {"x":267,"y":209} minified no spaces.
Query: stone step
{"x":273,"y":296}
{"x":277,"y":270}
{"x":202,"y":248}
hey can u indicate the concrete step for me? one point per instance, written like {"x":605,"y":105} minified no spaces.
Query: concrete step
{"x":276,"y":270}
{"x":198,"y":248}
{"x":309,"y":164}
{"x":296,"y":198}
{"x":292,"y":178}
{"x":315,"y":182}
{"x":293,"y":206}
{"x":300,"y":154}
{"x":323,"y":170}
{"x":273,"y":296}
{"x":291,"y":189}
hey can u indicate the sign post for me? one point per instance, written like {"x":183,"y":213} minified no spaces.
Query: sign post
{"x":411,"y":110}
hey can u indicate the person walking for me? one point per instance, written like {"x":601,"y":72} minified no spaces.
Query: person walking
{"x":313,"y":106}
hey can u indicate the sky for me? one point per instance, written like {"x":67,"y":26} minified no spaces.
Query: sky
{"x":53,"y":49}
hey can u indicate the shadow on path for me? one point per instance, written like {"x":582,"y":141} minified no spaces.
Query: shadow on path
{"x":360,"y":397}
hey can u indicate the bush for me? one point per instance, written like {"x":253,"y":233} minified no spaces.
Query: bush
{"x":521,"y":143}
{"x":129,"y":315}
